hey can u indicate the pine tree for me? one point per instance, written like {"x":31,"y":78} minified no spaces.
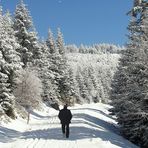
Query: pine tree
{"x":82,"y":49}
{"x":123,"y":79}
{"x":47,"y":76}
{"x":53,"y":58}
{"x":25,"y":33}
{"x":131,"y":81}
{"x":82,"y":87}
{"x":10,"y":48}
{"x":88,"y":84}
{"x":10,"y":63}
{"x":74,"y":96}
{"x":62,"y":79}
{"x":96,"y":93}
{"x":50,"y":42}
{"x":60,"y":42}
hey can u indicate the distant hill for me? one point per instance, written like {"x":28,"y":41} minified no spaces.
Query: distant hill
{"x":93,"y":70}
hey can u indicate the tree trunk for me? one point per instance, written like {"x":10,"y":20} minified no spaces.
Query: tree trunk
{"x":28,"y":118}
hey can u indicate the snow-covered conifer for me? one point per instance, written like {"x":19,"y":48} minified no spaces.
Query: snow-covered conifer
{"x":74,"y":91}
{"x":50,"y":41}
{"x":82,"y":87}
{"x":131,"y":81}
{"x":53,"y":58}
{"x":60,"y":42}
{"x":47,"y":75}
{"x":10,"y":63}
{"x":25,"y":33}
{"x":96,"y":92}
{"x":63,"y":68}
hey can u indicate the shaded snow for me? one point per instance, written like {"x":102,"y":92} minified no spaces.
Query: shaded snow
{"x":91,"y":126}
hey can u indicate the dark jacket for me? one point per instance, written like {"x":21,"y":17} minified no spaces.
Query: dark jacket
{"x":65,"y":116}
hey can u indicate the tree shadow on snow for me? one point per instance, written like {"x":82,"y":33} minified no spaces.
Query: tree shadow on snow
{"x":92,"y":128}
{"x":76,"y":133}
{"x":100,"y":130}
{"x":38,"y":115}
{"x":98,"y":122}
{"x":96,"y":110}
{"x":8,"y":135}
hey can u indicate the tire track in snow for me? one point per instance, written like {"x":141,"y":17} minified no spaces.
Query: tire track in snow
{"x":31,"y":143}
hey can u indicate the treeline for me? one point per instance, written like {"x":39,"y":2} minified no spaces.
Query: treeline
{"x":130,"y":84}
{"x":95,"y":49}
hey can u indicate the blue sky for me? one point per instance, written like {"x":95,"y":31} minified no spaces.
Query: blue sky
{"x":81,"y":21}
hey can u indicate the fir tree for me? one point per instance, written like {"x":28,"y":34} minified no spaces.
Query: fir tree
{"x":62,"y":79}
{"x":10,"y":63}
{"x":50,"y":42}
{"x":60,"y":42}
{"x":82,"y":87}
{"x":47,"y":76}
{"x":53,"y":58}
{"x":131,"y":81}
{"x":74,"y":87}
{"x":25,"y":33}
{"x":96,"y":85}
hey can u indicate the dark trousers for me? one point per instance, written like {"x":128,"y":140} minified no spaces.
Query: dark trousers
{"x":65,"y":128}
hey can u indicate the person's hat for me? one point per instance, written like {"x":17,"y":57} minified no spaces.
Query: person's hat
{"x":65,"y":106}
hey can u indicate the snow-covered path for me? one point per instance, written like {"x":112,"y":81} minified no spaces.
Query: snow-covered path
{"x":91,"y":127}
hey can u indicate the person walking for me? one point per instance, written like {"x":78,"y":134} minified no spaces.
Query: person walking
{"x":65,"y":117}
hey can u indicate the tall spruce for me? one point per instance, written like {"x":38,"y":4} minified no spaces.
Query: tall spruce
{"x":74,"y":96}
{"x":47,"y":76}
{"x":10,"y":63}
{"x":64,"y":87}
{"x":25,"y":33}
{"x":83,"y":91}
{"x":130,"y":85}
{"x":53,"y":58}
{"x":96,"y":93}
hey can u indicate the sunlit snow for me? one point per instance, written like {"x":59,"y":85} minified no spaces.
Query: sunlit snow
{"x":91,"y":126}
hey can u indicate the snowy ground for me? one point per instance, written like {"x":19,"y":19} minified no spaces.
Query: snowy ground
{"x":91,"y":127}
